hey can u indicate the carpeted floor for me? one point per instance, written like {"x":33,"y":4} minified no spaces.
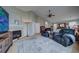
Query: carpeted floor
{"x":40,"y":44}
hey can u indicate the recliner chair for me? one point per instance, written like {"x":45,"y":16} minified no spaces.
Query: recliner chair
{"x":43,"y":31}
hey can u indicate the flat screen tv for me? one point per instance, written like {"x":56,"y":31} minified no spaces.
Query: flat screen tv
{"x":4,"y":21}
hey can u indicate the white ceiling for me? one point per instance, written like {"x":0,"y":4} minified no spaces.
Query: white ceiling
{"x":62,"y":13}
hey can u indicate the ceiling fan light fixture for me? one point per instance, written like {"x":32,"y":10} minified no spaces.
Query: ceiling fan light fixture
{"x":53,"y":15}
{"x":50,"y":14}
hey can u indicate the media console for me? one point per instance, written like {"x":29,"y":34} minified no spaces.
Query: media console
{"x":5,"y":41}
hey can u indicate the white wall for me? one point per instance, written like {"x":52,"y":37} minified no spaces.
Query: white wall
{"x":37,"y":27}
{"x":16,"y":18}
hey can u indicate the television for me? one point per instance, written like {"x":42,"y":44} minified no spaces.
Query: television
{"x":4,"y":21}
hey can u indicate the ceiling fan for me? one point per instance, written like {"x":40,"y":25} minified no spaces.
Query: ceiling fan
{"x":50,"y":14}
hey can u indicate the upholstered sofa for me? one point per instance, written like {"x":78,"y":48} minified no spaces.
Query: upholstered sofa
{"x":45,"y":34}
{"x":65,"y":37}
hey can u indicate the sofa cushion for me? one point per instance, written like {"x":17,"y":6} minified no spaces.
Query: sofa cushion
{"x":67,"y":31}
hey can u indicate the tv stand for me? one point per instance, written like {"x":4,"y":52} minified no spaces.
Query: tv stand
{"x":5,"y":41}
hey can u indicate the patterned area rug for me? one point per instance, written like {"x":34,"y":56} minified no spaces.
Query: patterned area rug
{"x":39,"y":44}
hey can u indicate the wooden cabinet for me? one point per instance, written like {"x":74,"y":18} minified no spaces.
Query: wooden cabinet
{"x":5,"y":41}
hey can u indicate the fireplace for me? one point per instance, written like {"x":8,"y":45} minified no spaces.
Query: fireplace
{"x":16,"y":34}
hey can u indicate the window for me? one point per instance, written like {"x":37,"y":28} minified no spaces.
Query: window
{"x":72,"y":24}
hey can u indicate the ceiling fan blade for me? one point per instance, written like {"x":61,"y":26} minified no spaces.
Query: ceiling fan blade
{"x":50,"y":14}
